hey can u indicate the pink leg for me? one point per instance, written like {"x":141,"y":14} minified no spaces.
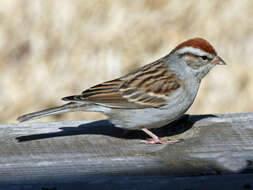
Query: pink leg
{"x":155,"y":139}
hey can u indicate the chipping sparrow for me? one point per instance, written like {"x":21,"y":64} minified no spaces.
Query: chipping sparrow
{"x":150,"y":97}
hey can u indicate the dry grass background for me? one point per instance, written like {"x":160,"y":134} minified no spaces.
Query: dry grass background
{"x":50,"y":49}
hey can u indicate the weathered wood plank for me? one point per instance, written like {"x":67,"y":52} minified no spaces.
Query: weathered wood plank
{"x":71,"y":151}
{"x":229,"y":182}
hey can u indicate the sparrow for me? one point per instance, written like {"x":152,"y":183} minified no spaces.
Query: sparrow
{"x":149,"y":97}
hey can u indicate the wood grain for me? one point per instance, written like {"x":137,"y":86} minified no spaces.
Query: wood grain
{"x":74,"y":151}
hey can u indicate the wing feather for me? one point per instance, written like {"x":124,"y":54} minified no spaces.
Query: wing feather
{"x":148,"y":86}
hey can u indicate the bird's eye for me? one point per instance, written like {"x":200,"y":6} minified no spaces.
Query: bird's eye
{"x":204,"y":57}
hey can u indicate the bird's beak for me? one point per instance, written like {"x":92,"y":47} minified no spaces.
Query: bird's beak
{"x":218,"y":61}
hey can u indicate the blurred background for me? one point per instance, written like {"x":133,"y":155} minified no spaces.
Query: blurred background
{"x":51,"y":49}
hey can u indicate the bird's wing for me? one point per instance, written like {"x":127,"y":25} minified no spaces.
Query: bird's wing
{"x":148,"y":86}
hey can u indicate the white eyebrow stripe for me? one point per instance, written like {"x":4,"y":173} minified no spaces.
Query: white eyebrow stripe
{"x":192,"y":50}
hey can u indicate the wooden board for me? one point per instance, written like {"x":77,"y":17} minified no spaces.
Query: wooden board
{"x":74,"y":151}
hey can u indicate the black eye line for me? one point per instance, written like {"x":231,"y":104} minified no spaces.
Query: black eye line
{"x":204,"y":57}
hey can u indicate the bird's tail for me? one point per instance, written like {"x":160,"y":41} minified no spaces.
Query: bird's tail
{"x":69,"y":107}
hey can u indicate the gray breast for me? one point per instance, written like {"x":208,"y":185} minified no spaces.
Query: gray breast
{"x":177,"y":104}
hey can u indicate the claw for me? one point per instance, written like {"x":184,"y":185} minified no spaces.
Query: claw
{"x":155,"y":139}
{"x":160,"y":141}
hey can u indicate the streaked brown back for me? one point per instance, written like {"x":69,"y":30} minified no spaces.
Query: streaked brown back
{"x":148,"y":86}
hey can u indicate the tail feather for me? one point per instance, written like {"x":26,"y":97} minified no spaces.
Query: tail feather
{"x":69,"y":107}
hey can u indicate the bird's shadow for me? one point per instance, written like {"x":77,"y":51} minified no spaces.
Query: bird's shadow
{"x":104,"y":127}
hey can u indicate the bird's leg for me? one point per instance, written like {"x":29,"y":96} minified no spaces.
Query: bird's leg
{"x":155,"y":139}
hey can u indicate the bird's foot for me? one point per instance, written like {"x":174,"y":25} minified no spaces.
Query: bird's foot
{"x":160,"y":141}
{"x":155,"y":139}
